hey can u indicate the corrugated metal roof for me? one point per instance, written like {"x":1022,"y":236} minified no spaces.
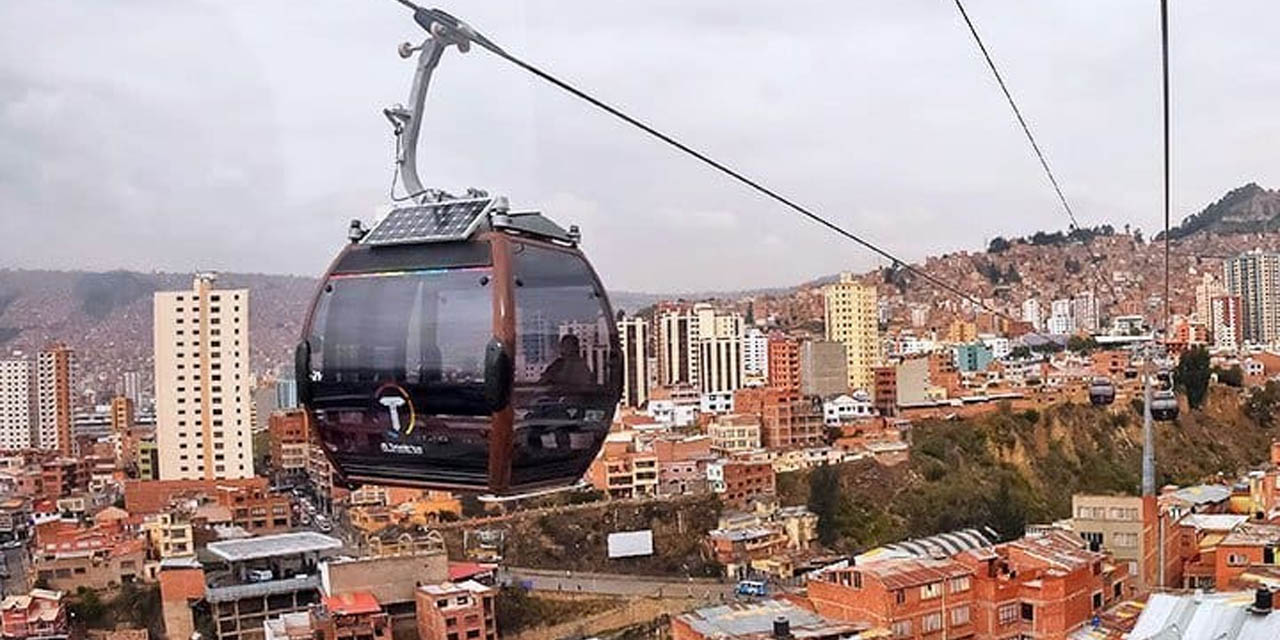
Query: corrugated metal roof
{"x":1216,"y":616}
{"x":945,"y":544}
{"x":756,"y":619}
{"x":282,"y":544}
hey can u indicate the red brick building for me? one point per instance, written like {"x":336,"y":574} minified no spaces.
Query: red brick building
{"x":884,"y":393}
{"x":462,"y":611}
{"x":289,"y":444}
{"x":739,"y":482}
{"x":787,"y":419}
{"x":153,"y":496}
{"x":784,"y":361}
{"x":37,"y":614}
{"x":1040,"y":586}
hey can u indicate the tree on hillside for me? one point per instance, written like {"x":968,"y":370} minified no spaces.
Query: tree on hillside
{"x":1263,"y":403}
{"x":1192,"y":375}
{"x":1008,"y":511}
{"x":998,"y":245}
{"x":824,"y":501}
{"x":1233,"y":377}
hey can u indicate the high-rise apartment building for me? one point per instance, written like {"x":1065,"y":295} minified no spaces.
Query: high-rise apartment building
{"x":719,"y":338}
{"x":850,"y":317}
{"x":16,"y":400}
{"x":1226,"y":322}
{"x":755,"y":356}
{"x":133,"y":387}
{"x":1208,"y":289}
{"x":55,"y":378}
{"x":1255,"y":277}
{"x":1031,"y":313}
{"x":203,"y":413}
{"x":633,"y":336}
{"x":1084,"y":311}
{"x":677,"y":347}
{"x":121,"y":415}
{"x":784,"y":361}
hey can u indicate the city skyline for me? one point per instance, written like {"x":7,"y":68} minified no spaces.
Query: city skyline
{"x":279,"y":160}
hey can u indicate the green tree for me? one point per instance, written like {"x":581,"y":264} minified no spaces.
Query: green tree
{"x":88,"y":609}
{"x":998,"y":245}
{"x":1263,"y":403}
{"x":1020,"y":351}
{"x":1008,"y":510}
{"x":1192,"y":375}
{"x":1233,"y":377}
{"x":824,"y":500}
{"x":1082,"y":344}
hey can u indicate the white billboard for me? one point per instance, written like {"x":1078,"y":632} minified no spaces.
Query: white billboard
{"x":626,"y":544}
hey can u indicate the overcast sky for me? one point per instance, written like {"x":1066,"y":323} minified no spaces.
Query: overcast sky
{"x":242,"y":135}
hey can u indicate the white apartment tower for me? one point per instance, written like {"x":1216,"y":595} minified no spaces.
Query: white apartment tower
{"x":633,"y":336}
{"x":755,"y":355}
{"x":719,"y":339}
{"x":1255,"y":277}
{"x":850,"y":312}
{"x":203,"y":413}
{"x":1031,"y":313}
{"x":16,"y":395}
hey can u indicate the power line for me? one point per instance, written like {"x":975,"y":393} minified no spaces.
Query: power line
{"x":1018,"y":114}
{"x":424,"y":16}
{"x":1164,"y":68}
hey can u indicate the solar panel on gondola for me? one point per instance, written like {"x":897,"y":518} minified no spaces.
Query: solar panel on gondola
{"x":445,"y":221}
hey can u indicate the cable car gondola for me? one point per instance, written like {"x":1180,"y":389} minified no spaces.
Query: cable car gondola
{"x":1164,"y":405}
{"x":1101,"y":392}
{"x":457,"y":344}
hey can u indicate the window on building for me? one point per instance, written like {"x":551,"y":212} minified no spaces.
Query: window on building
{"x":960,"y":585}
{"x":931,"y":591}
{"x":1097,"y":600}
{"x":960,"y":615}
{"x":902,"y":629}
{"x":1237,"y":560}
{"x":931,"y":622}
{"x":1028,"y":612}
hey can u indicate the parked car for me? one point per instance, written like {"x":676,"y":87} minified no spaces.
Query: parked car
{"x":752,"y":588}
{"x":259,"y":575}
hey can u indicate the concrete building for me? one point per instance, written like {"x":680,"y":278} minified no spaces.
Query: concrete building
{"x":848,"y":408}
{"x":1208,"y":288}
{"x":16,"y":399}
{"x":719,"y":350}
{"x":849,"y":314}
{"x":203,"y":412}
{"x":633,"y":335}
{"x":1084,"y":311}
{"x":1226,"y":321}
{"x":971,"y":357}
{"x":462,"y":611}
{"x":735,"y":433}
{"x":56,"y":373}
{"x":289,"y":445}
{"x":1031,"y":313}
{"x":740,"y":482}
{"x":824,"y":368}
{"x":755,"y":357}
{"x":122,"y":414}
{"x":677,"y":347}
{"x":1254,"y":276}
{"x":1126,"y":527}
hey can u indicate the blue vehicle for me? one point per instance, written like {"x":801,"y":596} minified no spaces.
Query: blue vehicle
{"x":752,"y":588}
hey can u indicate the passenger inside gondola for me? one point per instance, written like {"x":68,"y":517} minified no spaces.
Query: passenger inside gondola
{"x":568,"y":368}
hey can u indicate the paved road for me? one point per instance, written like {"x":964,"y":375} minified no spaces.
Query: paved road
{"x":615,"y":584}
